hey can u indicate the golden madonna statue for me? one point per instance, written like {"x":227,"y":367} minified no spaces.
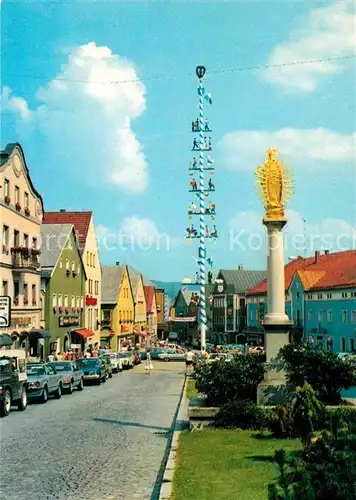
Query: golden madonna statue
{"x":275,"y":185}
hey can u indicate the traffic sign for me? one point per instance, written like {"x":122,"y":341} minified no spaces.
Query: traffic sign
{"x":5,"y":311}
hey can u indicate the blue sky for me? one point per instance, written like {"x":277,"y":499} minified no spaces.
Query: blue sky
{"x":122,"y":150}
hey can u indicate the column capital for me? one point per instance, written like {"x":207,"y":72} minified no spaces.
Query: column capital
{"x":274,"y":224}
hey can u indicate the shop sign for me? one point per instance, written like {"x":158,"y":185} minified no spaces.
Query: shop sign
{"x":68,"y":320}
{"x":24,"y":321}
{"x":5,"y":311}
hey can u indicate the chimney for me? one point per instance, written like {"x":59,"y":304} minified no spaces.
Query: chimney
{"x":317,"y":255}
{"x":62,"y":210}
{"x":327,"y":252}
{"x":117,"y":263}
{"x":240,"y":267}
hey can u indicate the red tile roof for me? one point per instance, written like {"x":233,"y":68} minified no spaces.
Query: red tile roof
{"x":150,"y":298}
{"x":80,"y":221}
{"x":331,"y":270}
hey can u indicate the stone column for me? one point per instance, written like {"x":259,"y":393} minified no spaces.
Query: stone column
{"x":276,"y":322}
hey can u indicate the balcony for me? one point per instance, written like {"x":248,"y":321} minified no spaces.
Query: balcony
{"x":24,"y":259}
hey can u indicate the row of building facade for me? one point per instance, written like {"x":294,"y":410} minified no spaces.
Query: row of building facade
{"x":320,"y":299}
{"x":61,"y":295}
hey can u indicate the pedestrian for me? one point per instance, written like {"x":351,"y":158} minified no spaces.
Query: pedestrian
{"x":189,"y":358}
{"x":148,"y":363}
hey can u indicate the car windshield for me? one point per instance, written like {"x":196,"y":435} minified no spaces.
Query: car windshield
{"x":89,"y":362}
{"x":62,"y":367}
{"x":124,"y":354}
{"x":35,"y":370}
{"x":4,"y":365}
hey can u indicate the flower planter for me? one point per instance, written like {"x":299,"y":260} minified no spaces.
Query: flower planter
{"x":18,"y":207}
{"x":16,"y":301}
{"x":25,"y":302}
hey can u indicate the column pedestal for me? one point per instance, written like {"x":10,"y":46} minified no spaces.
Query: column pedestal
{"x":276,"y":336}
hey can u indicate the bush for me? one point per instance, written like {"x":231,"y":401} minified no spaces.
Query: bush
{"x":224,"y":381}
{"x":323,"y":370}
{"x":243,"y":415}
{"x":306,"y":411}
{"x":281,"y":421}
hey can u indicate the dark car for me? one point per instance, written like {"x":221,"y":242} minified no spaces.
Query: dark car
{"x":93,"y":370}
{"x":13,"y":382}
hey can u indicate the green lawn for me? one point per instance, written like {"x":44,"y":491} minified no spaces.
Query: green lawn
{"x":191,"y":390}
{"x":226,"y":465}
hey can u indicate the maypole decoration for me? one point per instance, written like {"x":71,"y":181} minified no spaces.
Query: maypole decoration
{"x":206,"y":207}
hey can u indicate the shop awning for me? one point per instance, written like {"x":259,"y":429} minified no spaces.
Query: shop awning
{"x":84,"y":332}
{"x":5,"y":340}
{"x":44,"y":334}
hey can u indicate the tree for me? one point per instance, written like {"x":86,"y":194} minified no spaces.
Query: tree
{"x":323,"y":370}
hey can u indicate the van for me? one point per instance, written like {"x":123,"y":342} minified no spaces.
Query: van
{"x":173,"y":336}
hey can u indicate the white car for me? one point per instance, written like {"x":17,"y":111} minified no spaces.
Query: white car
{"x":172,"y":355}
{"x":218,"y":357}
{"x":116,"y":362}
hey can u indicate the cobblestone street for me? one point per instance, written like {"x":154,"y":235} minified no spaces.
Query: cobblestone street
{"x":105,"y":443}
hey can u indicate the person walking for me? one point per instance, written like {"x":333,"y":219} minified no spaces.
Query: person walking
{"x":148,"y":364}
{"x":189,"y":358}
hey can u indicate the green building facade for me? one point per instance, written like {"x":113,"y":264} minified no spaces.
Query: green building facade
{"x":63,"y":288}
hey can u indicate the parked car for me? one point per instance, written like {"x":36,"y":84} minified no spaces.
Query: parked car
{"x":93,"y":370}
{"x":105,"y":358}
{"x":172,"y":355}
{"x":213,"y":357}
{"x":44,"y":381}
{"x":72,"y":376}
{"x":116,"y":362}
{"x":127,"y":359}
{"x":13,"y":380}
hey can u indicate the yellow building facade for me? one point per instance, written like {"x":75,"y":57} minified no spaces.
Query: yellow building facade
{"x":138,"y":291}
{"x":118,"y":307}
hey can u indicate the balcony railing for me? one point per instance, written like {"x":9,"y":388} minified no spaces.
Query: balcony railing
{"x":23,"y":258}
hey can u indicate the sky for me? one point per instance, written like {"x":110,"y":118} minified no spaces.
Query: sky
{"x":101,"y":96}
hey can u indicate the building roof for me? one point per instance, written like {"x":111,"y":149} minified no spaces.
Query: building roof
{"x":134,"y":277}
{"x":4,"y":157}
{"x":80,"y":221}
{"x":110,"y":283}
{"x":150,"y":296}
{"x":320,"y":272}
{"x":242,"y":280}
{"x":53,"y":239}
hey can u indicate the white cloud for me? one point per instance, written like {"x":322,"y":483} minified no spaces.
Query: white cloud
{"x":87,"y":121}
{"x":16,"y":104}
{"x":142,"y":231}
{"x":328,"y":32}
{"x":248,"y":233}
{"x":244,"y":150}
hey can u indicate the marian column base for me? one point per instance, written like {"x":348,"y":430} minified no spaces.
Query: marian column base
{"x":276,"y":336}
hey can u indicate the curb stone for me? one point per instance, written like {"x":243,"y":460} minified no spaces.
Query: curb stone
{"x":182,"y":419}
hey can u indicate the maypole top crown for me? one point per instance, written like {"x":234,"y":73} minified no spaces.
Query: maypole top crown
{"x":274,"y":181}
{"x":200,"y":71}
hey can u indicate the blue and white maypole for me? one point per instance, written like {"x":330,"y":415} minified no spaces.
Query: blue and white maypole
{"x":202,"y":145}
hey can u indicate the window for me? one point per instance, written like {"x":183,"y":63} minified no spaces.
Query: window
{"x":353,"y":316}
{"x":343,"y":344}
{"x":78,"y":270}
{"x":5,"y":235}
{"x":82,"y":302}
{"x":26,"y":200}
{"x":73,"y":301}
{"x":60,"y":264}
{"x":34,"y":298}
{"x":34,"y":242}
{"x":16,"y":238}
{"x":93,"y":260}
{"x":298,"y":295}
{"x":329,"y":295}
{"x":66,"y":301}
{"x":5,"y":288}
{"x":78,"y":301}
{"x":310,"y":315}
{"x":344,"y":316}
{"x":42,"y":309}
{"x":344,"y":295}
{"x":67,"y":264}
{"x":352,"y":345}
{"x":25,"y":293}
{"x":320,"y":316}
{"x":17,"y":194}
{"x":54,"y":300}
{"x":96,"y":287}
{"x":25,"y":240}
{"x":73,"y":266}
{"x":330,"y":316}
{"x":87,"y":258}
{"x":60,"y":300}
{"x":7,"y":187}
{"x":320,"y":295}
{"x":310,"y":295}
{"x":16,"y":289}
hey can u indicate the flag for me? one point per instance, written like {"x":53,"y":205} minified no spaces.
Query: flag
{"x":208,"y":98}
